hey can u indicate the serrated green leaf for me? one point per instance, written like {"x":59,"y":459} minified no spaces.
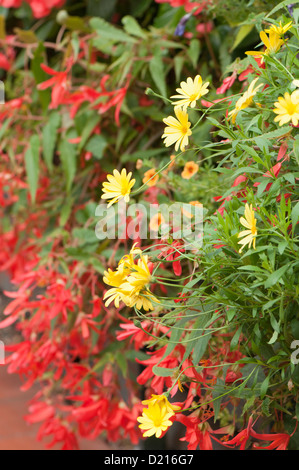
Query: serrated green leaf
{"x":106,"y":30}
{"x":132,"y":27}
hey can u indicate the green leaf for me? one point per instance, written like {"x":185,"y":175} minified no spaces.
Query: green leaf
{"x":2,"y":27}
{"x":132,"y":27}
{"x":49,"y":138}
{"x":157,"y":71}
{"x":40,"y":75}
{"x":296,"y":150}
{"x":84,"y":235}
{"x":4,"y":127}
{"x":76,"y":23}
{"x":96,"y":145}
{"x":92,"y":122}
{"x":65,"y":212}
{"x":68,"y":159}
{"x":26,"y":36}
{"x":194,"y":51}
{"x":274,"y":277}
{"x":241,"y":34}
{"x":121,"y":362}
{"x":235,"y":338}
{"x":106,"y":31}
{"x":217,"y":394}
{"x":32,"y":165}
{"x":163,"y":371}
{"x":264,"y":387}
{"x":179,"y":61}
{"x":295,"y":215}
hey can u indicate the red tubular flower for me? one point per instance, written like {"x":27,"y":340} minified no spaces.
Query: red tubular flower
{"x":187,"y":4}
{"x":279,"y":441}
{"x":227,"y":83}
{"x":241,"y":438}
{"x":40,"y":8}
{"x":171,"y":253}
{"x":58,"y":82}
{"x":199,"y":434}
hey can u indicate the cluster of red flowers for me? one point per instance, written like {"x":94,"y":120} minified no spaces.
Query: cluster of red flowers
{"x":40,"y":8}
{"x":187,"y":4}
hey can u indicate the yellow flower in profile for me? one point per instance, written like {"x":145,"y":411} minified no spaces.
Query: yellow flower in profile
{"x":139,"y":276}
{"x":190,"y":169}
{"x":130,"y":282}
{"x":177,"y":130}
{"x":245,"y":100}
{"x":287,"y":108}
{"x":249,"y":222}
{"x":119,"y":186}
{"x":273,"y":43}
{"x":127,"y":261}
{"x":280,"y":30}
{"x":114,"y":278}
{"x":150,"y":177}
{"x":190,"y":92}
{"x":155,"y":419}
{"x":163,"y":401}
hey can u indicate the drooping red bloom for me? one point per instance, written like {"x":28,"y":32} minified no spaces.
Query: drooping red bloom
{"x":187,"y":4}
{"x":101,"y":100}
{"x":58,"y":82}
{"x":227,"y":83}
{"x":172,"y":253}
{"x":40,"y":8}
{"x":278,"y":441}
{"x":199,"y":434}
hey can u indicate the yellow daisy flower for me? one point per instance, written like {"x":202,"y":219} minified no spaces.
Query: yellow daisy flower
{"x":190,"y":92}
{"x":273,"y":43}
{"x":163,"y":401}
{"x":177,"y":130}
{"x":249,"y":222}
{"x":155,"y":420}
{"x":287,"y":108}
{"x":280,"y":30}
{"x":245,"y":100}
{"x":119,"y":186}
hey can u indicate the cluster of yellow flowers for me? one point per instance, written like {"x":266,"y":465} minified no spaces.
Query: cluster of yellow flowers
{"x":156,"y":418}
{"x":130,"y":282}
{"x":273,"y":41}
{"x":287,"y":108}
{"x":178,"y":129}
